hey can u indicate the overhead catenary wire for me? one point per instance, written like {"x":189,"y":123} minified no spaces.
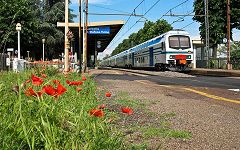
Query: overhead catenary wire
{"x":188,"y":25}
{"x":110,"y":9}
{"x":174,"y":8}
{"x":125,"y":23}
{"x":137,"y":21}
{"x":144,"y":15}
{"x":115,"y":41}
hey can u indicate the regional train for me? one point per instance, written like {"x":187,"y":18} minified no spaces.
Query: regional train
{"x":172,"y":50}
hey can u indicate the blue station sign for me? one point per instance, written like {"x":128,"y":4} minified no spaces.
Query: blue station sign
{"x":99,"y":30}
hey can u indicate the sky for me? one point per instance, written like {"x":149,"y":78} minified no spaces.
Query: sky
{"x":149,"y":10}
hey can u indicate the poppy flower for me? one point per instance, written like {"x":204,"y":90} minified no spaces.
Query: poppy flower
{"x":101,"y":106}
{"x":127,"y":110}
{"x":28,"y":81}
{"x":79,"y":89}
{"x":108,"y":94}
{"x":25,"y":83}
{"x":56,"y":81}
{"x":30,"y":92}
{"x":48,"y":89}
{"x":43,"y":75}
{"x":37,"y":81}
{"x":39,"y":93}
{"x":60,"y":89}
{"x":84,"y":78}
{"x":74,"y":83}
{"x":96,"y":113}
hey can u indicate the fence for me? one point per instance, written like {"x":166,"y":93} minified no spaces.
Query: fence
{"x":218,"y":63}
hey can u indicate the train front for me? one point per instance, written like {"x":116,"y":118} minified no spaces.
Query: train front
{"x":179,"y":51}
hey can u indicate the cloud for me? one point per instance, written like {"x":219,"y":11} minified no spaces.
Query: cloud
{"x":105,"y":2}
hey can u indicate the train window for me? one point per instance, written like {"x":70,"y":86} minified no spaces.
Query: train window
{"x":179,"y":42}
{"x":184,"y":41}
{"x":174,"y":42}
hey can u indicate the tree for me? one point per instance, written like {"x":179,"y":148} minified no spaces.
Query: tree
{"x":38,"y":19}
{"x":149,"y":31}
{"x":12,"y":12}
{"x":217,"y":19}
{"x":235,"y":53}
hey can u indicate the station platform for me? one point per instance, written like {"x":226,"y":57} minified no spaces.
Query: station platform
{"x":216,"y":72}
{"x":197,"y":71}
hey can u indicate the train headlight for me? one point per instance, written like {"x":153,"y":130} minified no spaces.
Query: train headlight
{"x":189,"y":57}
{"x":171,"y":57}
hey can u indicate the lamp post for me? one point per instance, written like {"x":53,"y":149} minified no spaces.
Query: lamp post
{"x":18,"y":28}
{"x":28,"y":55}
{"x":43,"y":41}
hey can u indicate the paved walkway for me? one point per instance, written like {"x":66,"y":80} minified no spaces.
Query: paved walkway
{"x":216,"y":72}
{"x":197,"y":71}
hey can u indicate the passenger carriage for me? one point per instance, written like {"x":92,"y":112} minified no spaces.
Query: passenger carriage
{"x":171,"y":50}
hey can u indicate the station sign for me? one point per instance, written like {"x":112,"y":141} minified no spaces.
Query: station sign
{"x":10,"y":49}
{"x":99,"y":30}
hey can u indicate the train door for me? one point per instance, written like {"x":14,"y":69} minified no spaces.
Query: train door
{"x":151,"y":56}
{"x":132,"y":59}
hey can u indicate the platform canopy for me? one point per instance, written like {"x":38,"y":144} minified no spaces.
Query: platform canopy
{"x":100,"y":34}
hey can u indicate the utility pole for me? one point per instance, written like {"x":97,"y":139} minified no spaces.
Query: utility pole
{"x":80,"y":35}
{"x":229,"y":65}
{"x":66,"y":43}
{"x":85,"y":41}
{"x":207,"y":32}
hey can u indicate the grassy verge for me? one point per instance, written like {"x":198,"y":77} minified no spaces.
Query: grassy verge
{"x":47,"y":122}
{"x":145,"y":129}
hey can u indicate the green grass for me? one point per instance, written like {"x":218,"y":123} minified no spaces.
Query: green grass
{"x":124,"y":99}
{"x":50,"y":123}
{"x":150,"y":132}
{"x":154,"y":127}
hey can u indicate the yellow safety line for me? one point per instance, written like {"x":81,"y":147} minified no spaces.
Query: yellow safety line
{"x":149,"y":83}
{"x":200,"y":93}
{"x":213,"y":96}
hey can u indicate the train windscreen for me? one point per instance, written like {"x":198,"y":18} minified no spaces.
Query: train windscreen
{"x":178,"y":42}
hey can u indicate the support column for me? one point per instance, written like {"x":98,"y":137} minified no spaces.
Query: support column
{"x":229,"y":65}
{"x":80,"y":35}
{"x":66,"y":43}
{"x":85,"y":40}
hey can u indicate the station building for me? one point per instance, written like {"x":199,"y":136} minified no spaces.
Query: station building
{"x":100,"y":34}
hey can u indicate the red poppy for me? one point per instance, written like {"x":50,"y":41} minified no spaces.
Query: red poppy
{"x":40,"y":93}
{"x":79,"y":89}
{"x":96,"y":113}
{"x":36,"y":80}
{"x":28,"y":81}
{"x":25,"y":83}
{"x":84,"y":78}
{"x":101,"y":106}
{"x":30,"y":92}
{"x":60,"y":89}
{"x":48,"y":89}
{"x":43,"y":75}
{"x":74,"y":83}
{"x":108,"y":94}
{"x":56,"y":81}
{"x":127,"y":110}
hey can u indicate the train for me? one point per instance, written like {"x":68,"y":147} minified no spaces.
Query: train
{"x":172,"y":50}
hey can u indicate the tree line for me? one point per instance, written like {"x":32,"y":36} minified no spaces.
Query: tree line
{"x":39,"y":20}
